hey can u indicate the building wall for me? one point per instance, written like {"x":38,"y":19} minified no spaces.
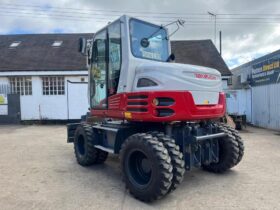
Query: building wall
{"x":239,"y":103}
{"x":4,"y":81}
{"x":266,"y":106}
{"x":37,"y":106}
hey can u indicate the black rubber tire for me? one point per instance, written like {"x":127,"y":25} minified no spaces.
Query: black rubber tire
{"x":101,"y":156}
{"x":239,"y":140}
{"x":228,"y":154}
{"x":176,"y":156}
{"x":85,"y":152}
{"x":160,"y":177}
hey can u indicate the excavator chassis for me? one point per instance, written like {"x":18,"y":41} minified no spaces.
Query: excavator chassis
{"x":197,"y":142}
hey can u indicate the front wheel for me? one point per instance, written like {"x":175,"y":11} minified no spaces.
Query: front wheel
{"x":146,"y":167}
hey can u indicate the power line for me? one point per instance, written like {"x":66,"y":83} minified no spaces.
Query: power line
{"x":198,"y":23}
{"x":106,"y":17}
{"x":92,"y":18}
{"x":189,"y":16}
{"x":67,"y":18}
{"x":59,"y":18}
{"x":195,"y":20}
{"x":91,"y":13}
{"x":138,"y":12}
{"x":101,"y":10}
{"x":87,"y":14}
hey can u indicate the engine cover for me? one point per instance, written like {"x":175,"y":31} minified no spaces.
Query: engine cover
{"x":204,"y":83}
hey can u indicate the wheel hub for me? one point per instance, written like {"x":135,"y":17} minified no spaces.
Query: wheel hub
{"x":146,"y":165}
{"x":139,"y":168}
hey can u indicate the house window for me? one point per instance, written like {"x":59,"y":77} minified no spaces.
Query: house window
{"x":21,"y":85}
{"x":53,"y":85}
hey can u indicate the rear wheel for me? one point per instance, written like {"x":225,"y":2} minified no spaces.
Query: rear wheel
{"x":176,"y":156}
{"x":146,"y":167}
{"x":228,"y":154}
{"x":239,"y":140}
{"x":85,"y":152}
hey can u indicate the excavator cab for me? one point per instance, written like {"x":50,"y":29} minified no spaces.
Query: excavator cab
{"x":113,"y":51}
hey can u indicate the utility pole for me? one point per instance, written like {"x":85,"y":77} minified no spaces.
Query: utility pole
{"x":220,"y":43}
{"x":215,"y":25}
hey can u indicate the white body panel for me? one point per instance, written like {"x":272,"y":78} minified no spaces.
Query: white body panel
{"x":180,"y":77}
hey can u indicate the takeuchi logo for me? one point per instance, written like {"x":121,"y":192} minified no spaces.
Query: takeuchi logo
{"x":205,"y":76}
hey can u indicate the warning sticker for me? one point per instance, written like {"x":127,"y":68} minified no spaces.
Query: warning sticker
{"x":3,"y":99}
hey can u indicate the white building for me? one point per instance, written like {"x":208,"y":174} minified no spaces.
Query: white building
{"x":260,"y":81}
{"x":50,"y":75}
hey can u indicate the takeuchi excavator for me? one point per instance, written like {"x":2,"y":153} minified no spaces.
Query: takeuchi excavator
{"x":160,"y":117}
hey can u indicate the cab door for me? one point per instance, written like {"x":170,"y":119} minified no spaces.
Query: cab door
{"x":106,"y":65}
{"x":98,"y":72}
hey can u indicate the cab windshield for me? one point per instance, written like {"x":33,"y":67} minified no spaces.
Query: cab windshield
{"x":155,"y":37}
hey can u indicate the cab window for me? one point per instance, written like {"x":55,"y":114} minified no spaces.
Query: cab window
{"x":98,"y":78}
{"x":155,"y":36}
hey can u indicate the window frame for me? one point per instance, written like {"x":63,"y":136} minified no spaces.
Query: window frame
{"x":116,"y":22}
{"x":21,"y":85}
{"x":57,"y":83}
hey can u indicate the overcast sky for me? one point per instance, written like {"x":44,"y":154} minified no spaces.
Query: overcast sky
{"x":250,"y":28}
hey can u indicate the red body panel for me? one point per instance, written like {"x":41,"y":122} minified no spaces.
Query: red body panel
{"x":184,"y":107}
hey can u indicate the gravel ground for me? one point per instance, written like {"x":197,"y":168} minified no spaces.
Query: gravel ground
{"x":38,"y":171}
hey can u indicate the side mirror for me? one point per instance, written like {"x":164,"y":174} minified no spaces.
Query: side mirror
{"x":171,"y":57}
{"x":82,"y":45}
